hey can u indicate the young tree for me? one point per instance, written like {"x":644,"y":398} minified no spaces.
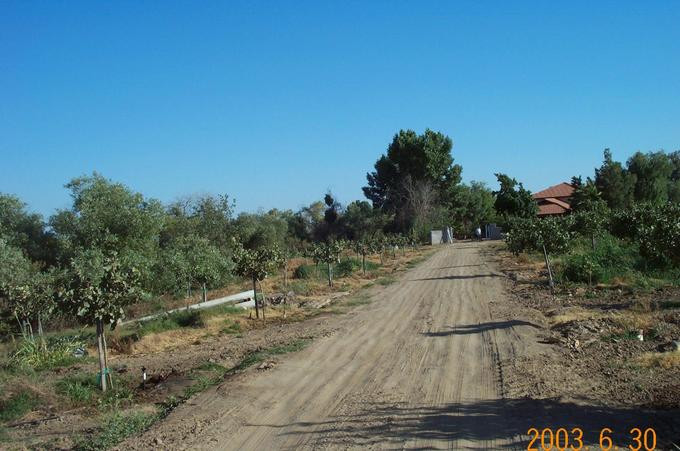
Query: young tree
{"x":256,"y":265}
{"x":591,"y":213}
{"x":329,"y":253}
{"x":362,"y":248}
{"x":96,"y":288}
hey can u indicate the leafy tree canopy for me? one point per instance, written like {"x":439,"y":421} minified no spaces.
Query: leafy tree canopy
{"x":512,"y":199}
{"x":425,"y":157}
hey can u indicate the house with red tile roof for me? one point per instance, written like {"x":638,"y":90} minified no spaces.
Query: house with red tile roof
{"x":555,"y":200}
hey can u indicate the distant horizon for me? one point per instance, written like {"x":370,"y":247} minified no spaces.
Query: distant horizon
{"x":493,"y":184}
{"x":275,"y":104}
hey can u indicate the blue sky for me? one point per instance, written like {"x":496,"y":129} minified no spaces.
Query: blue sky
{"x":276,"y":102}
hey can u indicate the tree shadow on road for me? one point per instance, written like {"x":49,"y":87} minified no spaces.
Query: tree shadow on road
{"x":479,"y":328}
{"x":460,"y":266}
{"x":487,"y":424}
{"x":461,"y":277}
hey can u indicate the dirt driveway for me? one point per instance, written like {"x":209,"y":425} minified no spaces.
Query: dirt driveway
{"x":420,"y":367}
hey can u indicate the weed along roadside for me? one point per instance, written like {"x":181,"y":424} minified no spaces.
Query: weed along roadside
{"x":183,"y":353}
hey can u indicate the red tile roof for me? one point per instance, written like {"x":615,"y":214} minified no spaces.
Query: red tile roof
{"x":562,"y":204}
{"x":561,"y":190}
{"x":551,"y":209}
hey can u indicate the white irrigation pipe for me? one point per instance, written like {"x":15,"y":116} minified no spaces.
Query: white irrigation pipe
{"x":234,"y":298}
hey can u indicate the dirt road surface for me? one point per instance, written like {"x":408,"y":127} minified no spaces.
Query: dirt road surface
{"x":420,"y":367}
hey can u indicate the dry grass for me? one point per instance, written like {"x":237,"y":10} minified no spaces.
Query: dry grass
{"x":666,"y":360}
{"x":633,"y":321}
{"x":575,"y":314}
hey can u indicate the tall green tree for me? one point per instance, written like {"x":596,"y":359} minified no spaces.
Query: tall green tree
{"x":361,"y":220}
{"x":473,"y":206}
{"x":615,"y":183}
{"x":652,"y":173}
{"x":110,"y":217}
{"x":418,"y":160}
{"x":674,"y":183}
{"x":512,"y":199}
{"x":26,"y":230}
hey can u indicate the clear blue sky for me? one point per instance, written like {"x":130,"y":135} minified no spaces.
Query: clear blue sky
{"x":275,"y":102}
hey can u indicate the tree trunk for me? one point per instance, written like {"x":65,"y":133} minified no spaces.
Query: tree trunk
{"x":102,"y":359}
{"x":205,"y":293}
{"x":106,"y":359}
{"x":363,"y":263}
{"x":285,"y":274}
{"x":43,"y":344}
{"x":264,"y":302}
{"x":21,"y":326}
{"x":330,"y":275}
{"x":550,"y":276}
{"x":592,"y":239}
{"x":257,"y":308}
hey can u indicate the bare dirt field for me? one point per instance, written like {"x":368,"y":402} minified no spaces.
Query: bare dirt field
{"x":428,"y":364}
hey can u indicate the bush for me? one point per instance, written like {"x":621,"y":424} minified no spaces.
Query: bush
{"x":305,"y":272}
{"x":531,"y":234}
{"x":656,"y":228}
{"x":582,"y":268}
{"x":346,"y":267}
{"x":611,"y":258}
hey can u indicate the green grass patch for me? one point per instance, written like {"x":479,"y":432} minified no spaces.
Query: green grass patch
{"x":221,"y":310}
{"x":173,"y":321}
{"x":17,"y":405}
{"x":627,"y":335}
{"x":80,"y":389}
{"x":231,"y":327}
{"x":115,"y":429}
{"x":55,"y":353}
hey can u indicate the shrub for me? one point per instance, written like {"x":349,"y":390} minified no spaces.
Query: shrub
{"x":305,"y":272}
{"x":656,"y":228}
{"x":532,"y":234}
{"x":582,"y":268}
{"x":346,"y":267}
